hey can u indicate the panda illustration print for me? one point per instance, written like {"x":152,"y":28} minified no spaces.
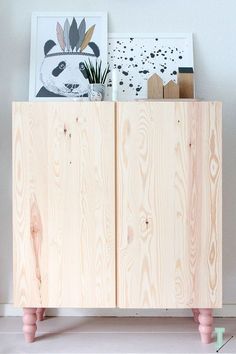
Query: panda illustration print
{"x":62,"y":72}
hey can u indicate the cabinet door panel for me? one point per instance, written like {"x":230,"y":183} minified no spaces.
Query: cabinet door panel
{"x":169,"y":204}
{"x":64,"y":204}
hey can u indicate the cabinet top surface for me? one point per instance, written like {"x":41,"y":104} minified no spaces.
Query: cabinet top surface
{"x":167,"y":101}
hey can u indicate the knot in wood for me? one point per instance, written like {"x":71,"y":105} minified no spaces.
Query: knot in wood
{"x":34,"y":229}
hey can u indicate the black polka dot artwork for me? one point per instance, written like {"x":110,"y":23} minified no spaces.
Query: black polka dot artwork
{"x":143,"y":56}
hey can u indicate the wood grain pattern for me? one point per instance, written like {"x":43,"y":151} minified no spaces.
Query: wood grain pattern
{"x":169,"y":204}
{"x":186,"y":85}
{"x":64,"y":204}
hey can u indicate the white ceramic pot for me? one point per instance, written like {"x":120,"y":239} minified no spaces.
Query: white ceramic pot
{"x":96,"y":92}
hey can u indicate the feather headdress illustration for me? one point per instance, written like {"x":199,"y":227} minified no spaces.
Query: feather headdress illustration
{"x":73,"y":39}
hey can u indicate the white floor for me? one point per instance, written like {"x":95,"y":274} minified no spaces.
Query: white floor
{"x":112,"y":335}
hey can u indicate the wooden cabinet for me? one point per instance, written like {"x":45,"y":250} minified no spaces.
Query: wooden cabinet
{"x":64,"y":204}
{"x":117,"y":204}
{"x":169,"y":204}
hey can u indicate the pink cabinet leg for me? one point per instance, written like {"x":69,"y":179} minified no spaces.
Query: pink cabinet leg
{"x":195,"y":315}
{"x":29,"y":324}
{"x":205,"y":325}
{"x":40,"y":314}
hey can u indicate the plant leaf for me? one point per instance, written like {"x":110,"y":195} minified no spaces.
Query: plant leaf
{"x":100,"y":65}
{"x":60,"y":36}
{"x":94,"y":72}
{"x":88,"y":72}
{"x":95,"y":48}
{"x":90,"y":76}
{"x":81,"y":33}
{"x":66,"y":34}
{"x":105,"y":73}
{"x":73,"y":34}
{"x":87,"y":38}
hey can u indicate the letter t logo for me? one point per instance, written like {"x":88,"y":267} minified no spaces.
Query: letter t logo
{"x":219,"y":336}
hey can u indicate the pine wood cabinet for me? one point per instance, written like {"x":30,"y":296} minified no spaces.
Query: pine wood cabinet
{"x":117,"y":205}
{"x":169,"y":204}
{"x":64,"y":204}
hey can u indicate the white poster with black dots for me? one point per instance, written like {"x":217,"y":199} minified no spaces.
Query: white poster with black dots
{"x":135,"y":57}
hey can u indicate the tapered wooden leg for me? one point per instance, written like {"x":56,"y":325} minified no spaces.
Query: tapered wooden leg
{"x":40,"y":313}
{"x":205,"y":325}
{"x":29,"y":324}
{"x":195,"y":315}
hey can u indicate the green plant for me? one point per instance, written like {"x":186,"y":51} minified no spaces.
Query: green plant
{"x":94,"y":73}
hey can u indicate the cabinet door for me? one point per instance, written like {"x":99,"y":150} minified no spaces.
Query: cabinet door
{"x":64,"y":204}
{"x":169,"y":204}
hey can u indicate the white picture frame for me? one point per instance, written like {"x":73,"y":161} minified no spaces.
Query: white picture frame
{"x":136,"y":79}
{"x":44,"y":28}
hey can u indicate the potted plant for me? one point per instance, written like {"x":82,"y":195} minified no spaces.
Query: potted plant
{"x":97,"y":78}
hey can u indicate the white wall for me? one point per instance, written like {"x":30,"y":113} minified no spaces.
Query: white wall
{"x":214,"y":27}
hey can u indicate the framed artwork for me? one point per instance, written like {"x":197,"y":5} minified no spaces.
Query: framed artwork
{"x":135,"y":57}
{"x":60,"y":44}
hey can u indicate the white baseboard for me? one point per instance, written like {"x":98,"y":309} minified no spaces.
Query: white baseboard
{"x":228,"y":310}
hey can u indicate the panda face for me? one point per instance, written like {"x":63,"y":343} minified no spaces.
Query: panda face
{"x":64,"y":75}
